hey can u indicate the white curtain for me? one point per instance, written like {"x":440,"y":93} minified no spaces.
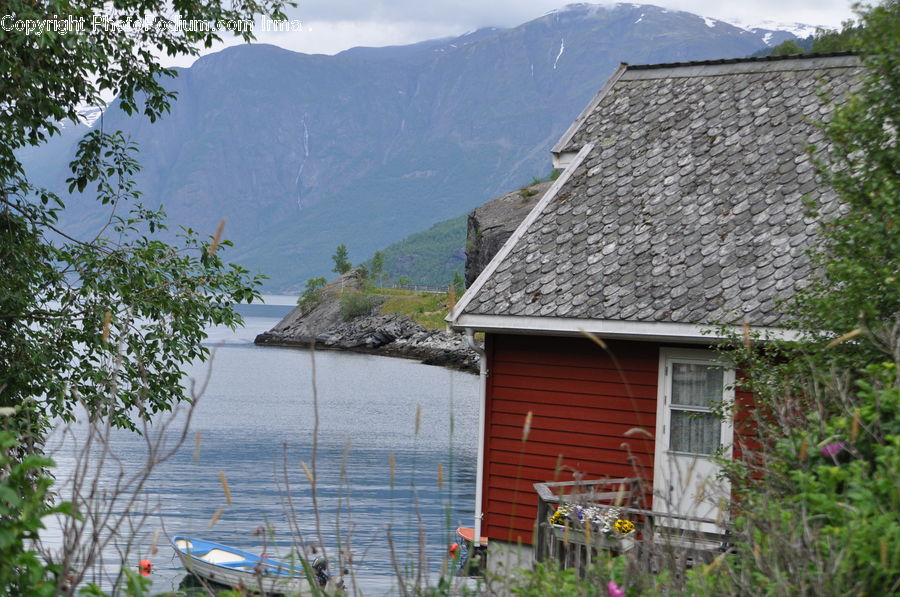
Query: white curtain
{"x":698,"y":387}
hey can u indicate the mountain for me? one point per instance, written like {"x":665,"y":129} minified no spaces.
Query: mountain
{"x":303,"y":152}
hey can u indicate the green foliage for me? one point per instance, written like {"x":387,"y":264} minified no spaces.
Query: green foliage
{"x":786,"y":48}
{"x":827,"y":514}
{"x":459,"y":285}
{"x":549,"y":579}
{"x":109,"y":321}
{"x":47,"y":77}
{"x":528,"y":191}
{"x":425,"y":308}
{"x":71,"y":308}
{"x":358,"y":304}
{"x":377,"y":267}
{"x":859,"y":284}
{"x":818,"y":502}
{"x":341,"y":260}
{"x":24,"y":493}
{"x":430,"y":257}
{"x":312,"y":294}
{"x":135,"y":586}
{"x":826,"y":40}
{"x":552,"y":175}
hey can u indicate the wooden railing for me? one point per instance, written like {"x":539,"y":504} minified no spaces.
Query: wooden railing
{"x":572,"y":550}
{"x":657,"y":535}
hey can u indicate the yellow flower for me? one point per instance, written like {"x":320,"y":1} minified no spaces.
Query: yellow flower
{"x":624,"y":526}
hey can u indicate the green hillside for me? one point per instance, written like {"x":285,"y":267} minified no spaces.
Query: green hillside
{"x":430,"y":257}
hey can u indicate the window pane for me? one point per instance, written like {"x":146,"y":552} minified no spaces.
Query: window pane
{"x":697,"y":433}
{"x":697,"y":385}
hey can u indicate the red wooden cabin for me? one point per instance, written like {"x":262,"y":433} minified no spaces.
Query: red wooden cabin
{"x":680,"y":209}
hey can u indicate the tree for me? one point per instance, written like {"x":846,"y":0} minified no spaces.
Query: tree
{"x":458,"y":283}
{"x":341,"y":260}
{"x":312,"y":294}
{"x":859,"y":261}
{"x":377,"y":264}
{"x":826,"y":40}
{"x":819,"y":488}
{"x":787,"y":48}
{"x":108,"y":320}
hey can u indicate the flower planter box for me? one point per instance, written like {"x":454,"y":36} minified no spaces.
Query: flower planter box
{"x":577,"y":536}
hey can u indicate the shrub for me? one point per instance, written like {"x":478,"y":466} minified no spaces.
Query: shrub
{"x":24,"y":491}
{"x":358,"y":304}
{"x":312,"y":295}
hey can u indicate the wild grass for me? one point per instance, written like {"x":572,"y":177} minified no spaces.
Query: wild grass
{"x":425,"y":308}
{"x":775,"y":548}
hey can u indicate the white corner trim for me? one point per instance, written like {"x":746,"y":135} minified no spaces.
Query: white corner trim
{"x":562,"y":159}
{"x":507,"y":247}
{"x":610,"y":328}
{"x":573,"y":128}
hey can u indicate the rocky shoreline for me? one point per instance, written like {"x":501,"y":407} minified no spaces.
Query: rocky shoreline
{"x":386,"y":335}
{"x":383,"y":334}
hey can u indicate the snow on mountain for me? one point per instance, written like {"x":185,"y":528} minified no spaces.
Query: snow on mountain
{"x":766,"y":29}
{"x":89,"y":114}
{"x":800,"y":30}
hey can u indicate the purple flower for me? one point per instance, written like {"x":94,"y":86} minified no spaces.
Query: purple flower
{"x":613,"y":590}
{"x":832,"y":450}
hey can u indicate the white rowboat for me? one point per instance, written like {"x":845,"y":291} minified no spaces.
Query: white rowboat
{"x":237,"y":568}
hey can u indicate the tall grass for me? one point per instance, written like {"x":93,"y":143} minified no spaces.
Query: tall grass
{"x":779,"y":542}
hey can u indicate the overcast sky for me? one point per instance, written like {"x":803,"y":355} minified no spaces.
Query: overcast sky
{"x":329,"y":26}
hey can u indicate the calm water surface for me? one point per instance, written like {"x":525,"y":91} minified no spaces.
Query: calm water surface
{"x":255,"y":423}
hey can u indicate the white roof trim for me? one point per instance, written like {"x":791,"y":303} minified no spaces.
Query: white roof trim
{"x":573,"y":128}
{"x":563,"y":159}
{"x":608,"y":328}
{"x":507,"y":247}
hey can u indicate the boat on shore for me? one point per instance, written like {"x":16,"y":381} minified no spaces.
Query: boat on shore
{"x":234,"y":567}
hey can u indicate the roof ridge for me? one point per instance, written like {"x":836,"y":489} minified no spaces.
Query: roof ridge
{"x":738,"y":60}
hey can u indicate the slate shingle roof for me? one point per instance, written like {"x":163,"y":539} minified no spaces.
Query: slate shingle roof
{"x":689,"y":206}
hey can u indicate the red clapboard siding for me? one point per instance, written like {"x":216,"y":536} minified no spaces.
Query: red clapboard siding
{"x":553,"y":423}
{"x":745,"y":431}
{"x":550,"y":437}
{"x":577,"y":373}
{"x":613,"y":411}
{"x":586,"y":408}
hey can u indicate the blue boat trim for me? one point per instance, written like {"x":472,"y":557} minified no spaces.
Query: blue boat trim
{"x":268,"y":566}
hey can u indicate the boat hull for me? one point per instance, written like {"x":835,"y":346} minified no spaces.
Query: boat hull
{"x":236,"y":568}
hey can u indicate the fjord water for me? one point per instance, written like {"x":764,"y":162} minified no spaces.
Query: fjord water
{"x":255,"y":422}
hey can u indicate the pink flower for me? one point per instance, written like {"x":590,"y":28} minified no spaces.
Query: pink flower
{"x":613,"y":590}
{"x":832,"y":450}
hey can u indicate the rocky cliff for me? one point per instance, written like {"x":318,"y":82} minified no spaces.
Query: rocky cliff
{"x":491,"y":224}
{"x":322,"y":324}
